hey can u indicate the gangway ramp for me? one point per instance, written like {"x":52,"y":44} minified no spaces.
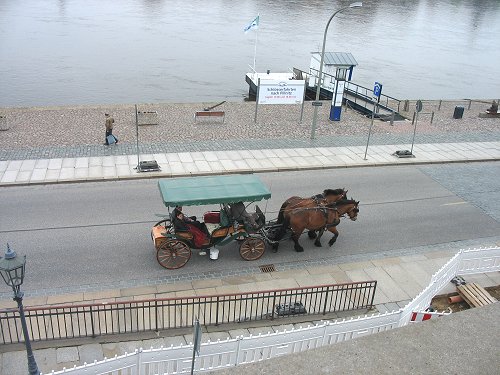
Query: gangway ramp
{"x":362,"y":100}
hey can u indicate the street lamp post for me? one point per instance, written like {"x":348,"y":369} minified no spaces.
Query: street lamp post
{"x":318,"y":88}
{"x":12,"y":270}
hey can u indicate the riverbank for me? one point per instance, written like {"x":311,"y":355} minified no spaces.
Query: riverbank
{"x":70,"y":126}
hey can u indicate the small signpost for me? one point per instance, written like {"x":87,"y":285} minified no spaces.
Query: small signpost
{"x":196,"y":342}
{"x":143,"y":166}
{"x":409,"y":153}
{"x":377,"y":90}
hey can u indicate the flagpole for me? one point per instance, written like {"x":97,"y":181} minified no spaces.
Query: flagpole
{"x":255,"y":46}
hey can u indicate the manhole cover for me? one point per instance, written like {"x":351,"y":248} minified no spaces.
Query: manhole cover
{"x":267,"y":268}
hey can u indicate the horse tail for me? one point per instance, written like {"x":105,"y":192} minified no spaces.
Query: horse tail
{"x":282,"y":230}
{"x":281,"y":213}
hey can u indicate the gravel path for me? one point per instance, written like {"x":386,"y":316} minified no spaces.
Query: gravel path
{"x":52,"y":132}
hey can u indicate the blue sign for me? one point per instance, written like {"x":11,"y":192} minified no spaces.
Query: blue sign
{"x":377,"y":89}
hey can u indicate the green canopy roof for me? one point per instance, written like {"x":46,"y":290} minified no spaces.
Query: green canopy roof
{"x":190,"y":191}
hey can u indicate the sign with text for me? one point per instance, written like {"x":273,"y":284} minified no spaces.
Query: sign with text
{"x":281,"y":92}
{"x":338,"y":94}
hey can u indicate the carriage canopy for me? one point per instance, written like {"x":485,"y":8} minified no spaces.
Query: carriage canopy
{"x":191,"y":191}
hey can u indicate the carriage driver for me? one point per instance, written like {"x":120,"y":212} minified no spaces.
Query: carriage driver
{"x":239,"y":213}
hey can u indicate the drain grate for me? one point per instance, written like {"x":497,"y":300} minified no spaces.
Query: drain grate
{"x":267,"y":268}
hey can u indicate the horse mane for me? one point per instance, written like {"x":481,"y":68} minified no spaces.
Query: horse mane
{"x":344,"y":201}
{"x":333,"y":192}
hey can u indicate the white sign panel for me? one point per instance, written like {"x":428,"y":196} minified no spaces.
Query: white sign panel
{"x":338,"y":95}
{"x":281,"y":92}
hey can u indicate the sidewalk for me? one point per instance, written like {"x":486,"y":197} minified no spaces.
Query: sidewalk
{"x":122,"y":167}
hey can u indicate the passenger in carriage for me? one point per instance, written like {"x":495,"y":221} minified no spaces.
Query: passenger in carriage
{"x":190,"y":224}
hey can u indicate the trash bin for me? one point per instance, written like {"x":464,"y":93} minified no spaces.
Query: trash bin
{"x":459,"y":112}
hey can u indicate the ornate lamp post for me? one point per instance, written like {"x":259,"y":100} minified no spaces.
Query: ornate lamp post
{"x":318,"y":88}
{"x":12,"y":270}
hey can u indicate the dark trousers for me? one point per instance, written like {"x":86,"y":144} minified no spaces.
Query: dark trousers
{"x":108,"y":132}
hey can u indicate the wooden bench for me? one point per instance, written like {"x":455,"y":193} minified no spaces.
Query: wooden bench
{"x":209,"y":114}
{"x":475,"y":295}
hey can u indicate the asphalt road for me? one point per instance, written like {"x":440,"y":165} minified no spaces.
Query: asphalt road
{"x":95,"y":234}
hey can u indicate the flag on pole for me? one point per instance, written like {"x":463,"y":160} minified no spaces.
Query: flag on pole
{"x":253,"y":25}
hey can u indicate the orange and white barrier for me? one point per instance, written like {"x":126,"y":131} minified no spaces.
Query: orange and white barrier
{"x":420,"y":316}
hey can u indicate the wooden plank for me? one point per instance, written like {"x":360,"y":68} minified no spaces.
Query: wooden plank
{"x":475,"y":295}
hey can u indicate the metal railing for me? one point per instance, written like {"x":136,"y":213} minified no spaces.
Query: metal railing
{"x":92,"y":320}
{"x":367,"y":95}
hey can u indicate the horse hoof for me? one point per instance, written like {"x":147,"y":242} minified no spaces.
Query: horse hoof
{"x":275,"y":248}
{"x":317,"y":244}
{"x":312,"y":235}
{"x":299,"y":250}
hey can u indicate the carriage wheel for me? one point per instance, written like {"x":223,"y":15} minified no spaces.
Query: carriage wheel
{"x":252,"y":248}
{"x":165,"y":222}
{"x":173,"y":254}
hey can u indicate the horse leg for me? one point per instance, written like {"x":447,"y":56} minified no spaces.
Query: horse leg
{"x":311,"y":234}
{"x":335,"y":235}
{"x":317,"y":243}
{"x":297,"y":247}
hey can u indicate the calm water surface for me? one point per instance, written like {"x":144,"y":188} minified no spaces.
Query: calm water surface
{"x":145,"y":51}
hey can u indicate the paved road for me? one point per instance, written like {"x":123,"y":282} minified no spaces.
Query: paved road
{"x":100,"y":231}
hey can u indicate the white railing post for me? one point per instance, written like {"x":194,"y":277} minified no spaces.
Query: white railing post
{"x":238,"y":346}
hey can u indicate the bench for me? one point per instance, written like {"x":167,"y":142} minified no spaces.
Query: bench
{"x":475,"y":295}
{"x":489,"y":115}
{"x":209,"y":114}
{"x":147,"y":118}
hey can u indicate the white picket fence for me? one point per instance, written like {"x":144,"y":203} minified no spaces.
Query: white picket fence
{"x":232,"y":352}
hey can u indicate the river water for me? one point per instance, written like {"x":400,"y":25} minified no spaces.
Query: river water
{"x":145,"y":51}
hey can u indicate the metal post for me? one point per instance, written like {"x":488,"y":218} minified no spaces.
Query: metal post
{"x":414,"y":131}
{"x":318,"y":87}
{"x":370,"y":131}
{"x":303,"y":101}
{"x":32,"y":366}
{"x":439,"y":107}
{"x":137,"y":138}
{"x":470,"y":102}
{"x":256,"y":101}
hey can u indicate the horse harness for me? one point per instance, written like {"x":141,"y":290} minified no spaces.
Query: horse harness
{"x":324,"y":210}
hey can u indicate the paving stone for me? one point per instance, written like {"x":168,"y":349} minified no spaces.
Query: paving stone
{"x":67,"y":354}
{"x":90,"y":353}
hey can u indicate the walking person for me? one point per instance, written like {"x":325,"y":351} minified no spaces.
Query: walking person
{"x":110,"y":138}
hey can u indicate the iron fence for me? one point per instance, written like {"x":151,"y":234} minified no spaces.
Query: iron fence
{"x":92,"y":320}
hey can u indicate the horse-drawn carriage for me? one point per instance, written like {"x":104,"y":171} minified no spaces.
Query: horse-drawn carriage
{"x":231,"y":221}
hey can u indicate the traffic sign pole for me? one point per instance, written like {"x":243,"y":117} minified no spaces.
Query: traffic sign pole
{"x":418,"y":108}
{"x":377,"y":90}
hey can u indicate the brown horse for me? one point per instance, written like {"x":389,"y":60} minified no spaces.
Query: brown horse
{"x":348,"y":207}
{"x":315,"y":218}
{"x":328,"y":196}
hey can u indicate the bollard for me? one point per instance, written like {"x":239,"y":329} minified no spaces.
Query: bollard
{"x":470,"y":101}
{"x":439,"y":107}
{"x":392,"y":118}
{"x":406,"y":107}
{"x":4,"y":125}
{"x":432,"y":117}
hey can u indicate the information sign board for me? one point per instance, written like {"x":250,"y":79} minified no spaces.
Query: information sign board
{"x":281,"y":92}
